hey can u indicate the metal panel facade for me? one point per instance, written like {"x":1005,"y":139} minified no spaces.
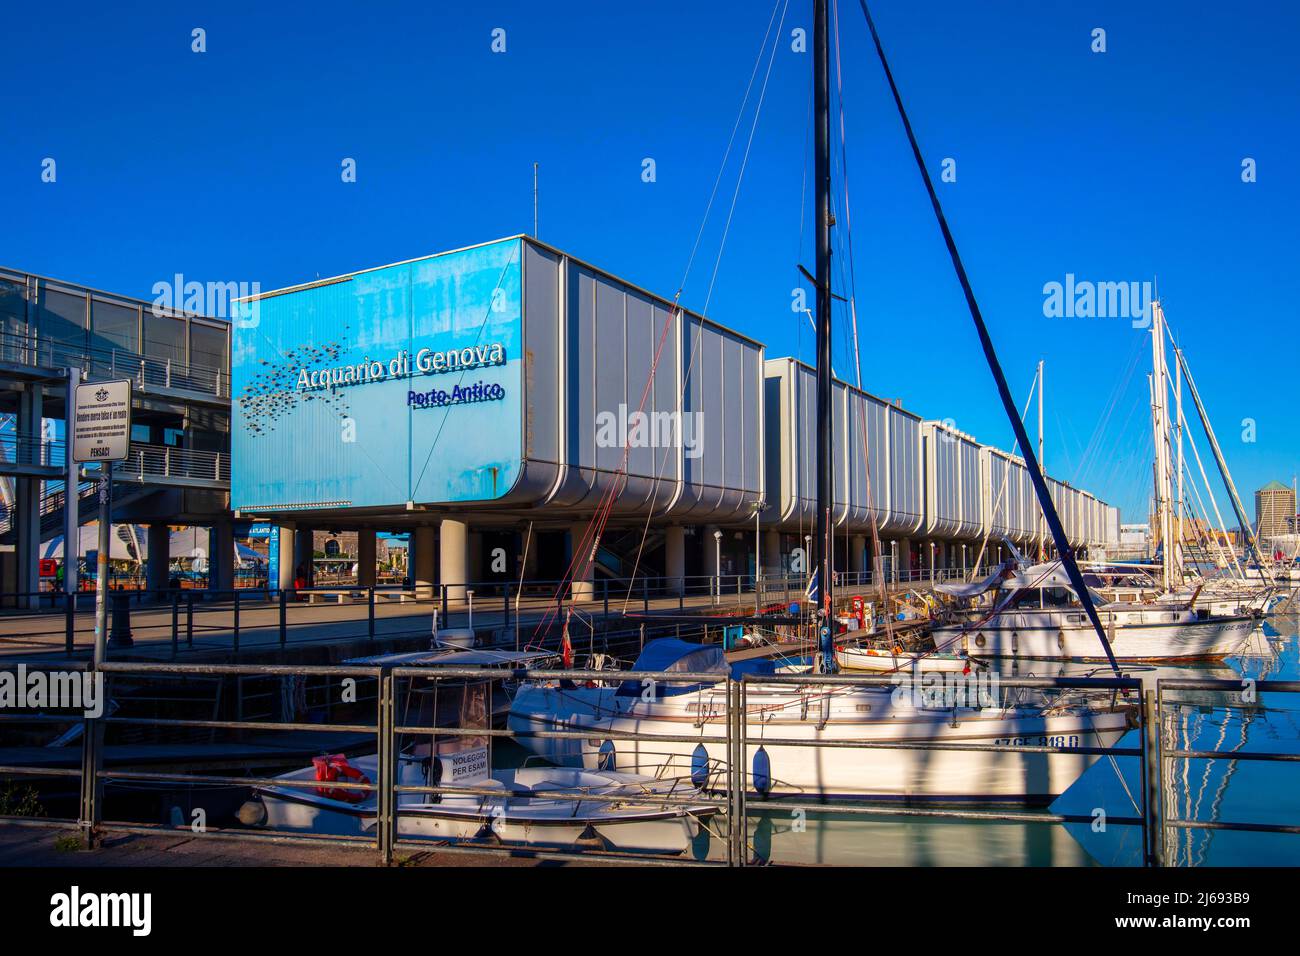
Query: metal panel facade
{"x":399,"y":384}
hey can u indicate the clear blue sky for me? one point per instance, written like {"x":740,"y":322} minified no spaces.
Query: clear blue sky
{"x":225,"y":166}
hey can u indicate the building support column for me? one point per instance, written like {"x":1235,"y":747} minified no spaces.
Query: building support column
{"x":423,"y":563}
{"x":905,"y":558}
{"x":675,"y":558}
{"x":453,"y":559}
{"x":857,"y":553}
{"x":367,"y":573}
{"x":287,"y":560}
{"x":583,"y":587}
{"x":304,"y":555}
{"x":27,"y":497}
{"x":772,"y":553}
{"x":221,"y":557}
{"x":474,"y":568}
{"x":158,"y":569}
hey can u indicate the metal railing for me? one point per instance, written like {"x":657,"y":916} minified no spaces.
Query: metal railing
{"x":166,"y":461}
{"x":727,"y":784}
{"x":96,"y":362}
{"x":1168,"y":821}
{"x":524,"y":612}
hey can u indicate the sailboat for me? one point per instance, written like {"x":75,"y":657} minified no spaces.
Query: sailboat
{"x":1230,"y":590}
{"x":1035,"y":613}
{"x":782,"y":719}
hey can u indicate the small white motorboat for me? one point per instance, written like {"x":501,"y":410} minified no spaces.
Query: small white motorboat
{"x":885,"y":660}
{"x":509,"y":813}
{"x":536,"y":805}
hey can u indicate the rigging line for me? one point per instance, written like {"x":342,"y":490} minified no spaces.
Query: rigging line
{"x":523,"y":570}
{"x":1064,"y":551}
{"x":598,"y":525}
{"x":1121,"y":387}
{"x":740,"y":114}
{"x":591,"y":536}
{"x":589,"y":543}
{"x":699,"y":335}
{"x":515,"y":247}
{"x":852,"y":343}
{"x":1002,"y":489}
{"x":744,"y":162}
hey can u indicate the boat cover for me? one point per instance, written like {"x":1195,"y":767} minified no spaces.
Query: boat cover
{"x":974,"y":588}
{"x":668,"y":654}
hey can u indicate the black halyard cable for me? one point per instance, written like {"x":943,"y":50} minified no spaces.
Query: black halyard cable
{"x":1008,"y":403}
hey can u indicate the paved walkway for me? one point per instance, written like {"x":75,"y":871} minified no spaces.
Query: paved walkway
{"x":42,"y":634}
{"x":41,"y":847}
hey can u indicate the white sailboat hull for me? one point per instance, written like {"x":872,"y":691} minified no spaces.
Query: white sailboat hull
{"x":807,"y":771}
{"x":1139,"y":635}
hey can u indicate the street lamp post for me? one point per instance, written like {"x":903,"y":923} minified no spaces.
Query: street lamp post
{"x":717,"y":566}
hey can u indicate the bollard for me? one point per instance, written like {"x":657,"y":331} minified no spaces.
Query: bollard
{"x":370,"y":610}
{"x":70,"y":623}
{"x":284,"y":617}
{"x":120,"y":635}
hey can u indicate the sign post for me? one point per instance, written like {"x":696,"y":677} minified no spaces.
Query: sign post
{"x":71,"y":520}
{"x":101,"y":432}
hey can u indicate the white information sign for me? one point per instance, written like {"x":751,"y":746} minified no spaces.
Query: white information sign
{"x":101,"y":429}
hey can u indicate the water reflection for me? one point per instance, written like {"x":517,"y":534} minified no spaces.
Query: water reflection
{"x":1218,"y":789}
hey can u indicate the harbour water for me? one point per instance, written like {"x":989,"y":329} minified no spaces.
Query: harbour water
{"x":1204,"y":790}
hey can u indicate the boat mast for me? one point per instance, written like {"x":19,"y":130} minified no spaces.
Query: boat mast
{"x":1178,"y":467}
{"x":822,"y":175}
{"x":1159,"y":432}
{"x":1252,"y":545}
{"x":1042,"y":544}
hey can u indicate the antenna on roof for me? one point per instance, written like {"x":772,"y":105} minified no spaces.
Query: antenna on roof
{"x":534,"y":200}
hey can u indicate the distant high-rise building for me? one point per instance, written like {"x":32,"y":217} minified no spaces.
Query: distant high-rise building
{"x":1274,"y":510}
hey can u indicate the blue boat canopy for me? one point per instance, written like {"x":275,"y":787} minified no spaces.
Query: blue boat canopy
{"x":668,"y":654}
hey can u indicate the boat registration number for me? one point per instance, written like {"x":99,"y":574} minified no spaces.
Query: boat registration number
{"x":1040,"y":740}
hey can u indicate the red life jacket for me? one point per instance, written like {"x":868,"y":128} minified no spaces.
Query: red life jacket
{"x":331,"y":767}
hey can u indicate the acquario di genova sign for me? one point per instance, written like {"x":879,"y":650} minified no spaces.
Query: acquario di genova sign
{"x":424,"y":362}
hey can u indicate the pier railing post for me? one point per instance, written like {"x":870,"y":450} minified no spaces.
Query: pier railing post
{"x":89,"y":812}
{"x":370,"y":612}
{"x":189,"y":619}
{"x":1154,"y":756}
{"x":385,"y":825}
{"x":236,"y":638}
{"x":176,"y":622}
{"x":70,"y":623}
{"x":742,"y":774}
{"x":284,"y":617}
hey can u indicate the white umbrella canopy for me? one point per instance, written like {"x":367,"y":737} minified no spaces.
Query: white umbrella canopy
{"x":126,"y":543}
{"x":194,"y":544}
